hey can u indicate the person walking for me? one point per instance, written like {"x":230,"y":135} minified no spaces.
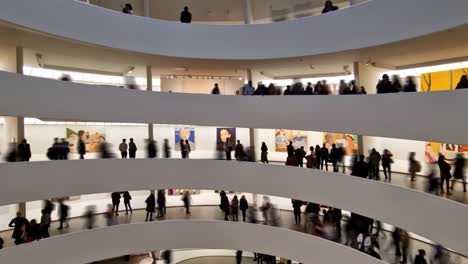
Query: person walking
{"x":81,"y":148}
{"x":127,"y":198}
{"x":445,"y":174}
{"x":300,"y":155}
{"x":123,"y":148}
{"x":405,"y":245}
{"x":228,"y":148}
{"x":325,"y":157}
{"x":374,"y":164}
{"x":152,"y":149}
{"x":115,"y":196}
{"x":386,"y":164}
{"x":167,"y":149}
{"x":187,"y":201}
{"x":161,"y":199}
{"x":243,"y":206}
{"x":17,"y":223}
{"x":459,"y":172}
{"x":63,"y":210}
{"x":235,"y":208}
{"x":414,"y":166}
{"x":297,"y":204}
{"x":238,"y":256}
{"x":264,"y":153}
{"x":24,"y":151}
{"x":132,"y":149}
{"x":150,"y":206}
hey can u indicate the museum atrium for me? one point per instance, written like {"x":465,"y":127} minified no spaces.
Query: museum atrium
{"x":376,"y":176}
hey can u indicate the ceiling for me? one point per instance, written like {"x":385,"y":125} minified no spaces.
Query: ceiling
{"x":442,"y":47}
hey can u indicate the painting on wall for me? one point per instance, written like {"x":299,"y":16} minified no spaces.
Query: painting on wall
{"x":92,"y":139}
{"x":450,"y":151}
{"x":442,"y":81}
{"x":185,"y":133}
{"x":284,"y":136}
{"x":348,"y":141}
{"x":222,"y":134}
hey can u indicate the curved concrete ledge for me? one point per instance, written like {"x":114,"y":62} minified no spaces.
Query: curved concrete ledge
{"x":420,"y":116}
{"x":373,"y":23}
{"x":412,"y":210}
{"x":104,"y":243}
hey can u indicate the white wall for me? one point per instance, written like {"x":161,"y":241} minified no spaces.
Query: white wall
{"x":227,"y":87}
{"x":103,"y":27}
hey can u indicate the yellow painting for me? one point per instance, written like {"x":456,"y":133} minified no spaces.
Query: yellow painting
{"x":441,"y":80}
{"x":450,"y":151}
{"x":92,"y":139}
{"x":348,"y":141}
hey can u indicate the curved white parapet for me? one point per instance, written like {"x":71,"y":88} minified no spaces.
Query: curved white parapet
{"x":98,"y":244}
{"x":369,"y":24}
{"x":421,"y":116}
{"x":412,"y":210}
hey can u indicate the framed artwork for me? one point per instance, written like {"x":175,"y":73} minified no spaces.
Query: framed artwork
{"x":184,"y":133}
{"x":348,"y":141}
{"x":92,"y":139}
{"x":223,"y":134}
{"x":284,"y":136}
{"x":450,"y":151}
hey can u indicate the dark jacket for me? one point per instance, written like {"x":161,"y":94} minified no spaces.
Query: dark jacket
{"x":324,"y":152}
{"x":127,"y":197}
{"x":81,"y":147}
{"x":243,"y":204}
{"x":185,"y":17}
{"x":224,"y":204}
{"x":132,"y":148}
{"x":290,"y":150}
{"x":444,"y":168}
{"x":24,"y":152}
{"x":459,"y":172}
{"x":150,"y":203}
{"x":360,"y":169}
{"x":115,"y":197}
{"x":420,"y":260}
{"x":334,"y":155}
{"x":384,"y":87}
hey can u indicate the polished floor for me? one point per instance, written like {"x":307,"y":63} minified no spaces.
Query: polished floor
{"x":214,"y":213}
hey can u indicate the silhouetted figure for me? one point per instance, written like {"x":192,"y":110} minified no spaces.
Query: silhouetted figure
{"x":151,"y":149}
{"x":287,"y":91}
{"x":396,"y":239}
{"x":300,"y":155}
{"x":63,"y":211}
{"x":445,"y":173}
{"x":24,"y":151}
{"x":105,"y":152}
{"x":409,"y":86}
{"x":167,"y":149}
{"x":374,"y":164}
{"x":225,"y":206}
{"x":12,"y":153}
{"x":186,"y":198}
{"x":235,"y":208}
{"x":238,"y":256}
{"x":310,"y":159}
{"x":17,"y":223}
{"x":396,"y":85}
{"x":363,"y":90}
{"x":56,"y":154}
{"x":127,"y":198}
{"x":115,"y":202}
{"x":150,"y":206}
{"x":81,"y":148}
{"x":298,"y":89}
{"x":184,"y":149}
{"x":414,"y":166}
{"x":463,"y":83}
{"x":228,"y":148}
{"x":329,"y":7}
{"x":243,"y":206}
{"x":34,"y":231}
{"x":89,"y":217}
{"x":334,"y":157}
{"x":290,"y":149}
{"x":261,"y":90}
{"x":132,"y":149}
{"x":405,"y":245}
{"x":344,"y":88}
{"x":459,"y":172}
{"x":215,"y":89}
{"x":318,"y":156}
{"x":161,"y":200}
{"x":2,"y":242}
{"x":123,"y":148}
{"x":297,"y":204}
{"x":386,"y":164}
{"x":64,"y":148}
{"x":186,"y":16}
{"x":238,"y":151}
{"x":384,"y":85}
{"x":360,"y":168}
{"x":309,"y":90}
{"x":48,"y":206}
{"x":337,"y":216}
{"x":127,"y":9}
{"x":166,"y":256}
{"x":45,"y":224}
{"x":341,"y":157}
{"x":249,"y":89}
{"x":264,"y":153}
{"x":325,"y":157}
{"x":419,"y":259}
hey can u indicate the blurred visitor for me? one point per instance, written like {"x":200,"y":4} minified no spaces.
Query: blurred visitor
{"x":215,"y":89}
{"x":459,"y":172}
{"x":238,"y":256}
{"x":24,"y":151}
{"x":325,"y":157}
{"x":463,"y":83}
{"x":186,"y":198}
{"x":374,"y":164}
{"x":386,"y":164}
{"x":264,"y":153}
{"x":63,"y":211}
{"x":445,"y":173}
{"x":90,"y":218}
{"x":329,"y":7}
{"x":414,"y":166}
{"x":297,"y":204}
{"x":243,"y":206}
{"x":127,"y":198}
{"x":228,"y":148}
{"x":186,"y":16}
{"x":420,"y":258}
{"x":19,"y":224}
{"x":287,"y":91}
{"x":105,"y":152}
{"x":45,"y":223}
{"x":396,"y":85}
{"x":410,"y":86}
{"x":235,"y":208}
{"x":127,"y":9}
{"x":300,"y":155}
{"x":318,"y":156}
{"x":151,"y":149}
{"x":239,"y":151}
{"x":384,"y":85}
{"x":249,"y":89}
{"x":184,"y":148}
{"x":109,"y":215}
{"x":360,"y":168}
{"x":334,"y":156}
{"x":81,"y":147}
{"x":290,"y":149}
{"x":310,"y":159}
{"x":115,"y":196}
{"x":167,"y":149}
{"x":161,"y":200}
{"x":130,"y":83}
{"x":12,"y":153}
{"x":309,"y":90}
{"x":224,"y":205}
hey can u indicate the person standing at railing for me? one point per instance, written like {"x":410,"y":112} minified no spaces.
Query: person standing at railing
{"x":186,"y":16}
{"x":24,"y":151}
{"x":215,"y":90}
{"x":132,"y":149}
{"x":127,"y":9}
{"x":249,"y":89}
{"x":409,"y":86}
{"x":463,"y":83}
{"x":329,"y":7}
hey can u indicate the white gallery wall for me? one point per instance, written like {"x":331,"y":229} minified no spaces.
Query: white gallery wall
{"x":202,"y":86}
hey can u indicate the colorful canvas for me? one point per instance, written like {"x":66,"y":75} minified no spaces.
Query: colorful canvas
{"x":284,"y":136}
{"x":92,"y":139}
{"x":348,"y":141}
{"x":450,"y":151}
{"x":185,"y":133}
{"x":222,"y":134}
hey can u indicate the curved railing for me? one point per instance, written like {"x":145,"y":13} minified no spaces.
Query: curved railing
{"x":420,"y":116}
{"x":105,"y":243}
{"x":373,"y":23}
{"x":388,"y":203}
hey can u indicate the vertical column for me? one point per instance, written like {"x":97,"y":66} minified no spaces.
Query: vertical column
{"x":149,"y":87}
{"x":248,"y":16}
{"x":146,"y":8}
